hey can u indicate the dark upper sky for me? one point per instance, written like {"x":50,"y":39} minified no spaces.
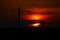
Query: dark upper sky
{"x":12,"y":4}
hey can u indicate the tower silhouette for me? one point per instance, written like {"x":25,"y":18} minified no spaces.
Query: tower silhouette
{"x":19,"y":17}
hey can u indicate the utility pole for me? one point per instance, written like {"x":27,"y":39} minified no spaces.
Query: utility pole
{"x":19,"y":12}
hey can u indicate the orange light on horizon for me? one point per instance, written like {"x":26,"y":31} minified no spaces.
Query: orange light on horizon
{"x":36,"y":24}
{"x":35,"y":17}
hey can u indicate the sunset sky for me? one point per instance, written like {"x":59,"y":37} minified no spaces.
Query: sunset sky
{"x":9,"y":7}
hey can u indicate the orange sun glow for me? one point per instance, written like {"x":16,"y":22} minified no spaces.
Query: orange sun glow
{"x":36,"y":24}
{"x":35,"y":17}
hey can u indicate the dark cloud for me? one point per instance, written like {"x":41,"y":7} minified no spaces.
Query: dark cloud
{"x":39,"y":3}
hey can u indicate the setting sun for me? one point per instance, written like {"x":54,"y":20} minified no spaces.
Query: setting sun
{"x":36,"y":24}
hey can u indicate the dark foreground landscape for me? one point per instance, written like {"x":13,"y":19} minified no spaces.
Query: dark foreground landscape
{"x":12,"y":26}
{"x":30,"y":30}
